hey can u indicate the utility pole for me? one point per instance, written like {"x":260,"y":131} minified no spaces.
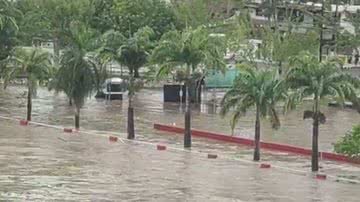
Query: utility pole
{"x":321,"y":30}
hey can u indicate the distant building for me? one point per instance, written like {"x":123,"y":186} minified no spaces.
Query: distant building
{"x":47,"y":45}
{"x":304,"y":12}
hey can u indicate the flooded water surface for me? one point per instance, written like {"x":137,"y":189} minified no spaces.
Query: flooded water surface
{"x":44,"y":164}
{"x":150,"y":109}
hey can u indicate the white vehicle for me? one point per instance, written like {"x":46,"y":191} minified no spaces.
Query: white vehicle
{"x":114,"y":88}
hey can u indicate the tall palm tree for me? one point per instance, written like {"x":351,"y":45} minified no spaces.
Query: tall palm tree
{"x":32,"y":63}
{"x":260,"y":88}
{"x":133,"y":53}
{"x":75,"y":76}
{"x":309,"y":77}
{"x":192,"y":50}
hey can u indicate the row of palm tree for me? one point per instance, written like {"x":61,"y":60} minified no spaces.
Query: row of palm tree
{"x":192,"y":50}
{"x":265,"y":89}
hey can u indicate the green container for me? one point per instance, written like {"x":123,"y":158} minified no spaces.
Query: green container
{"x":218,"y":79}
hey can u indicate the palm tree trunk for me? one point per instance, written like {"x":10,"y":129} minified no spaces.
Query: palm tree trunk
{"x":130,"y":121}
{"x":130,"y":124}
{"x":315,"y":137}
{"x":275,"y":16}
{"x":228,"y":8}
{"x":136,"y":73}
{"x":29,"y":102}
{"x":56,"y":50}
{"x":198,"y":85}
{"x":336,"y":21}
{"x":187,"y":134}
{"x":257,"y":135}
{"x":77,"y":118}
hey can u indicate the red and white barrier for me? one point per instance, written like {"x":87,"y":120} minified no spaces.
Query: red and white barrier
{"x":265,"y":145}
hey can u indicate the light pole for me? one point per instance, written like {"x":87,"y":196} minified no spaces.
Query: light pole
{"x":321,"y":30}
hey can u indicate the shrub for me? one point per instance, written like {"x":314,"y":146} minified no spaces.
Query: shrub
{"x":350,"y":144}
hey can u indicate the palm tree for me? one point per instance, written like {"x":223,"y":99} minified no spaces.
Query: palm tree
{"x":309,"y":77}
{"x":32,"y":63}
{"x":192,"y":50}
{"x":260,"y":88}
{"x":75,"y":76}
{"x":133,"y":53}
{"x":7,"y":14}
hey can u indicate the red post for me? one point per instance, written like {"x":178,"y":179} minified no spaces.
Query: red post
{"x":68,"y":130}
{"x":321,"y":176}
{"x":24,"y":122}
{"x":264,"y":165}
{"x":161,"y":147}
{"x":113,"y":139}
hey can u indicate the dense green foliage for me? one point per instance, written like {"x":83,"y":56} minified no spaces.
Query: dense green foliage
{"x":130,"y":16}
{"x":350,"y":144}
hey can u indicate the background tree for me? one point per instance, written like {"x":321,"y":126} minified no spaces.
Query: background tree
{"x":102,"y":17}
{"x":261,"y":88}
{"x":75,"y":76}
{"x":277,"y":47}
{"x":309,"y":77}
{"x":8,"y":27}
{"x":34,"y":64}
{"x":192,"y":50}
{"x":130,"y":16}
{"x":51,"y":19}
{"x":194,"y":13}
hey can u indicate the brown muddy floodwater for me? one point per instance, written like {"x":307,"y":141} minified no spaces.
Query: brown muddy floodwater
{"x":43,"y":164}
{"x":149,"y":109}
